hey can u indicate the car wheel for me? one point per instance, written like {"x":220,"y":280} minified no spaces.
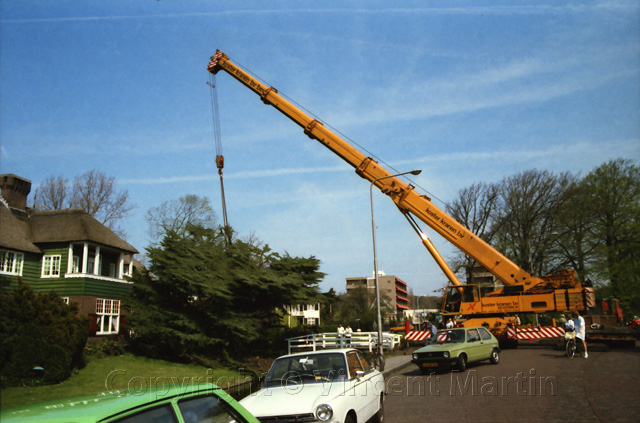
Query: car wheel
{"x":349,"y":419}
{"x":379,"y":416}
{"x":494,"y":358}
{"x":462,"y":363}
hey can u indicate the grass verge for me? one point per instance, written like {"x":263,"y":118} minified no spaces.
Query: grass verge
{"x":120,"y":372}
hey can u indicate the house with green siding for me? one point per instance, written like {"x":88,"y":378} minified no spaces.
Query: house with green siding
{"x":66,"y":251}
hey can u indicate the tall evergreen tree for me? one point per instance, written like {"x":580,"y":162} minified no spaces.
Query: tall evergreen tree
{"x":203,"y":297}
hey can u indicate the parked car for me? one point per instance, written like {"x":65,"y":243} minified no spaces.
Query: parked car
{"x":456,"y":348}
{"x":337,"y":385}
{"x":164,"y":404}
{"x":400,"y":329}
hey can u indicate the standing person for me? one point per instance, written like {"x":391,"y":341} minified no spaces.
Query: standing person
{"x":449,"y":323}
{"x":340,"y":334}
{"x":433,"y":333}
{"x":347,"y":332}
{"x":581,"y":330}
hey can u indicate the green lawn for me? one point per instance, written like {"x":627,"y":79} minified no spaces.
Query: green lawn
{"x":120,"y":372}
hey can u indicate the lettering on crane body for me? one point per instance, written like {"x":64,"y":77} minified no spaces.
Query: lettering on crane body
{"x":445,"y":224}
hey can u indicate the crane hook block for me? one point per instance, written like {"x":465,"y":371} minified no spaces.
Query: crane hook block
{"x":220,"y":161}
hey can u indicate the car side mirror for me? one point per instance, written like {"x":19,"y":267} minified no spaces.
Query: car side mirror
{"x":359,"y":374}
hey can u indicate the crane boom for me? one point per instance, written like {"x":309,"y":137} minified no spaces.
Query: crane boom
{"x":404,"y":195}
{"x":522,"y":292}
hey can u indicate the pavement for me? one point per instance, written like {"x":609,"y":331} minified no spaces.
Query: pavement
{"x":394,"y":363}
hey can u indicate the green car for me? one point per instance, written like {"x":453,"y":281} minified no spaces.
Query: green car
{"x":175,"y":404}
{"x":456,"y":348}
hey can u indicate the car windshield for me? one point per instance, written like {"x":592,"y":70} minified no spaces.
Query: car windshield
{"x":308,"y":368}
{"x":451,"y":336}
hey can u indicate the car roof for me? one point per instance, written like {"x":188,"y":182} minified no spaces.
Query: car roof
{"x":98,"y":406}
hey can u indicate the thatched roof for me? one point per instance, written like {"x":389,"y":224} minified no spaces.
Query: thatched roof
{"x":15,"y":231}
{"x":42,"y":227}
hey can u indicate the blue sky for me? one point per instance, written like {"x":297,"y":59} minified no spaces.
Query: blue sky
{"x":466,"y":91}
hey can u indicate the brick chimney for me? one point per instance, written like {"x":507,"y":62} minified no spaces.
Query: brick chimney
{"x":15,"y":191}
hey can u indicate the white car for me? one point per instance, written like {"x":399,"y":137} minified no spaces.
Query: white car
{"x":337,"y":385}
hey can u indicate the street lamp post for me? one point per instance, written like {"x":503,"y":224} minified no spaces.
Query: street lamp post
{"x":375,"y":253}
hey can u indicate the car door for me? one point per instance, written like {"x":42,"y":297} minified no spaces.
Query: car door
{"x":473,"y":345}
{"x":360,"y":389}
{"x":373,"y":386}
{"x":487,"y":343}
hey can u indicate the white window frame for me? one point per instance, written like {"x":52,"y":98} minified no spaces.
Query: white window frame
{"x":51,"y":264}
{"x":11,"y":263}
{"x":76,"y":264}
{"x":108,"y":312}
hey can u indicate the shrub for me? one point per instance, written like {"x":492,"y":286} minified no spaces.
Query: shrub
{"x":54,"y":337}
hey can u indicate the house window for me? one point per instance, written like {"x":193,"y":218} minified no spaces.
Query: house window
{"x":11,"y":263}
{"x":112,"y":270}
{"x":108,"y":312}
{"x":76,"y":265}
{"x":51,"y":266}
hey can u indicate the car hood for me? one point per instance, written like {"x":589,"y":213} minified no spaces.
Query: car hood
{"x":279,"y":400}
{"x":440,"y":347}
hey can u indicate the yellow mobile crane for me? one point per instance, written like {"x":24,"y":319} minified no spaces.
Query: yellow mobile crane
{"x":522,"y":292}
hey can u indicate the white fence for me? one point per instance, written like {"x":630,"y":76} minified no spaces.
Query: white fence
{"x":360,"y":340}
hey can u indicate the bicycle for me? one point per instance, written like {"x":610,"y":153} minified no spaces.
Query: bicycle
{"x":573,"y":346}
{"x":378,"y":359}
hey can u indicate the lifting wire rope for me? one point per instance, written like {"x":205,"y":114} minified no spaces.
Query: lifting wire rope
{"x":219,"y":157}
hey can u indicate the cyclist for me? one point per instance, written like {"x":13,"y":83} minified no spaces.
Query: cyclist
{"x":578,"y":321}
{"x":568,"y":324}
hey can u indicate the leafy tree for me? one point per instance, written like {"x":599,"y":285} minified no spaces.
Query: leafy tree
{"x":614,"y":203}
{"x":328,"y":301}
{"x":177,"y":215}
{"x":360,"y":303}
{"x":39,"y":330}
{"x":204,"y":298}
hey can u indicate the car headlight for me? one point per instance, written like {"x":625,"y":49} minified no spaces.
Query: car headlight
{"x":324,"y":412}
{"x":415,"y":356}
{"x":446,"y":354}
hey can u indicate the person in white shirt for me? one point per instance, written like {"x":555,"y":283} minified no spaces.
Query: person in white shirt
{"x":340,"y":334}
{"x":347,"y":332}
{"x":580,"y":329}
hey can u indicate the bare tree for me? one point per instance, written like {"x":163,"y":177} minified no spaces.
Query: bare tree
{"x":475,"y":208}
{"x":177,"y":215}
{"x":575,"y":244}
{"x":528,"y":218}
{"x":52,"y":193}
{"x":96,"y":193}
{"x":93,"y":192}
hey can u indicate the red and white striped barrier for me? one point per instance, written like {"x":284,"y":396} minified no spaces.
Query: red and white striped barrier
{"x":417,"y":335}
{"x":519,"y":333}
{"x":535,"y":332}
{"x":421,"y":335}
